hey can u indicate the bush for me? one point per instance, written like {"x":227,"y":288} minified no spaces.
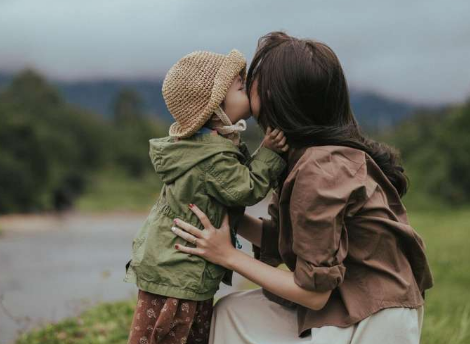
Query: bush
{"x":435,"y":147}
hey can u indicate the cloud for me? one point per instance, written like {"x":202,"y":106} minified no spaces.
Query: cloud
{"x":415,"y":50}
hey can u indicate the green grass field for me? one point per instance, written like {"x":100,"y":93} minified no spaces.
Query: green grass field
{"x":113,"y":190}
{"x":447,"y":312}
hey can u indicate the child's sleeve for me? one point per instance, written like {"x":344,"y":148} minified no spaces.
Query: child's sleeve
{"x":234,"y":184}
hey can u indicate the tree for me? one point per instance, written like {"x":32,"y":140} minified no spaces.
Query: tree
{"x":127,"y":107}
{"x":435,"y":147}
{"x":48,"y":148}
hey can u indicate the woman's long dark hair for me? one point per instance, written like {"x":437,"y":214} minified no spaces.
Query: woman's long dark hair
{"x":304,"y":93}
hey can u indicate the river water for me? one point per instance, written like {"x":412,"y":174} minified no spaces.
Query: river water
{"x":55,"y":267}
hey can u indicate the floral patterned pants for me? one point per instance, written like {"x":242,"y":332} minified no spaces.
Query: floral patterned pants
{"x":166,"y":320}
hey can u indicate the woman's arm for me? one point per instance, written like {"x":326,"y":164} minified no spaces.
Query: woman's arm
{"x":277,"y":281}
{"x":250,"y":228}
{"x":214,"y":245}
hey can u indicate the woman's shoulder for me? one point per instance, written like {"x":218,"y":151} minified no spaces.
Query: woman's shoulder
{"x":354,"y":155}
{"x":325,"y":166}
{"x":332,"y":160}
{"x":333,"y":171}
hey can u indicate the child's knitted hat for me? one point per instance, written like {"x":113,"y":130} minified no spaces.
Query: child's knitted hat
{"x":196,"y":85}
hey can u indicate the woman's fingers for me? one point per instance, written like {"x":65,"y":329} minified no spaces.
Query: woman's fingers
{"x":189,"y":228}
{"x":190,"y":250}
{"x":202,"y":216}
{"x":285,"y":148}
{"x":182,"y":234}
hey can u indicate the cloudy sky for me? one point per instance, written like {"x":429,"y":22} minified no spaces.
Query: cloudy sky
{"x":417,"y":50}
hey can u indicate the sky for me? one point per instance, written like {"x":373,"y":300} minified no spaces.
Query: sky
{"x":415,"y":50}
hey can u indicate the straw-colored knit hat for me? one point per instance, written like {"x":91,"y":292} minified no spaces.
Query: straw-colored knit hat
{"x":195,"y":87}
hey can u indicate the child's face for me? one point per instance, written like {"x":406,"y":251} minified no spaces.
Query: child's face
{"x":236,"y":104}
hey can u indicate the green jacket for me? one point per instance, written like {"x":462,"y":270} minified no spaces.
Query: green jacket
{"x":216,"y":175}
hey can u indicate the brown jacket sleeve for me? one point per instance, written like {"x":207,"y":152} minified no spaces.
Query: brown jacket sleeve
{"x":269,"y":251}
{"x":324,"y":187}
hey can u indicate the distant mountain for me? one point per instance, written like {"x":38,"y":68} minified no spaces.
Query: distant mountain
{"x":4,"y":80}
{"x":99,"y":95}
{"x":373,"y":111}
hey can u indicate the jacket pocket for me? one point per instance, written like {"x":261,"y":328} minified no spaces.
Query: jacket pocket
{"x":162,"y":263}
{"x":137,"y":251}
{"x":138,"y":243}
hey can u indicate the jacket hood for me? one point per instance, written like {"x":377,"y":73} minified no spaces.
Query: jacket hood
{"x":172,"y":158}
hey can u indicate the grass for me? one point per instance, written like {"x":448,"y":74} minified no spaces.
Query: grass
{"x":105,"y":323}
{"x":113,"y":190}
{"x":447,"y":312}
{"x":108,"y":322}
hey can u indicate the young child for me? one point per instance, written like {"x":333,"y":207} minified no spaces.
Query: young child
{"x":203,"y":161}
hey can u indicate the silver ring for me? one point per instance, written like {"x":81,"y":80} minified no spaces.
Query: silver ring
{"x":194,"y":242}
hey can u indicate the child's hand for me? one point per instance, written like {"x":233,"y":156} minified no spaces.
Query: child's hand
{"x":275,"y":140}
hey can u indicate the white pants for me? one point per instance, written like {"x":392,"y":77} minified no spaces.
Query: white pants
{"x":248,"y":317}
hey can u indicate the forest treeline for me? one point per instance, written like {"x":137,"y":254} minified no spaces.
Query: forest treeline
{"x":49,"y":149}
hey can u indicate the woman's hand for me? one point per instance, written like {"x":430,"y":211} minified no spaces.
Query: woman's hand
{"x":212,"y":244}
{"x":215,"y":245}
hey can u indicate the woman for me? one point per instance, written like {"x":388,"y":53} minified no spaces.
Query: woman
{"x":358,"y":271}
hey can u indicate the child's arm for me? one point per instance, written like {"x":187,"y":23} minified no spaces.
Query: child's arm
{"x":234,"y":184}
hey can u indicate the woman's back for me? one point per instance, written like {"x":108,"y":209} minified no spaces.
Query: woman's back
{"x":341,"y":226}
